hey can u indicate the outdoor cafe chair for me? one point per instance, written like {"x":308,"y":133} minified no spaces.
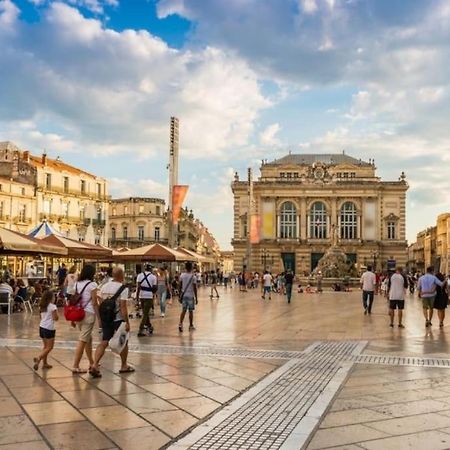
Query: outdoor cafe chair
{"x":6,"y":300}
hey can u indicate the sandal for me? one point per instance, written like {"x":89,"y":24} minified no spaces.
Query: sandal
{"x":78,"y":371}
{"x":36,"y":363}
{"x":129,"y":369}
{"x":94,"y":373}
{"x":47,"y":366}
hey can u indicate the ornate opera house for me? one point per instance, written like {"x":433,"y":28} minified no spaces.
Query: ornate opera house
{"x":302,"y":203}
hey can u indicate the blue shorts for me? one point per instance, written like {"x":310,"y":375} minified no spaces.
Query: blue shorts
{"x":267,"y":289}
{"x":188,"y":304}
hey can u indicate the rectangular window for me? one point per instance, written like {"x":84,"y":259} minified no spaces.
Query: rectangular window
{"x":391,"y":230}
{"x":114,"y":211}
{"x":65,"y":210}
{"x":125,"y":233}
{"x":83,"y":186}
{"x":48,"y":180}
{"x":46,"y":206}
{"x":289,"y":174}
{"x":1,"y":187}
{"x":295,"y":174}
{"x":352,"y":174}
{"x":345,"y":174}
{"x":126,"y":210}
{"x":99,"y":189}
{"x":158,"y":210}
{"x":141,"y":209}
{"x":66,"y":185}
{"x":82,"y":212}
{"x":141,"y":233}
{"x":23,"y":213}
{"x":157,"y":234}
{"x":23,"y":191}
{"x":113,"y":233}
{"x":282,"y":174}
{"x":2,"y":208}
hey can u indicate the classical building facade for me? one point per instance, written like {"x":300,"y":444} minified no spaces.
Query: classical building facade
{"x":432,"y":247}
{"x":18,"y":204}
{"x":137,"y":221}
{"x":74,"y":201}
{"x":301,"y":203}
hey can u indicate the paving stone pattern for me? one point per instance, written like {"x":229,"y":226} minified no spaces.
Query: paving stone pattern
{"x":270,"y":416}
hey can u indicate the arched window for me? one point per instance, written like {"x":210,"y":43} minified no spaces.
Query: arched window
{"x":318,"y":221}
{"x":288,"y":221}
{"x":349,"y":221}
{"x":113,"y":233}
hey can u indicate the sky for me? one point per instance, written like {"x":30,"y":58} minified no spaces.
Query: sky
{"x":96,"y":81}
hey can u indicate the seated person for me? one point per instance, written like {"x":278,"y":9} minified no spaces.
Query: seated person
{"x":299,"y":289}
{"x":20,"y":294}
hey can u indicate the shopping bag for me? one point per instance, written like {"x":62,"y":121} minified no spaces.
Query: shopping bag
{"x":120,"y":339}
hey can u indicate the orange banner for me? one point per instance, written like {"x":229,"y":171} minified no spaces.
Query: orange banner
{"x":178,"y":195}
{"x":255,"y":226}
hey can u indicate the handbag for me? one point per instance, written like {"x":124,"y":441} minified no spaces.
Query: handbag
{"x":119,"y":340}
{"x":73,"y":311}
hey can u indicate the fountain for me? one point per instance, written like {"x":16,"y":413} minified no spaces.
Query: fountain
{"x":334,"y":263}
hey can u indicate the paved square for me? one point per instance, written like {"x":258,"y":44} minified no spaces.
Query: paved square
{"x":255,"y":374}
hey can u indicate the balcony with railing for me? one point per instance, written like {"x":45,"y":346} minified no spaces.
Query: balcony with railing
{"x":94,"y":222}
{"x":133,"y":242}
{"x":74,"y":192}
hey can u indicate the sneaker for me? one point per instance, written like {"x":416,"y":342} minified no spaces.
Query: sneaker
{"x":400,"y":325}
{"x":162,"y":315}
{"x":365,"y":311}
{"x":180,"y":328}
{"x":191,"y":328}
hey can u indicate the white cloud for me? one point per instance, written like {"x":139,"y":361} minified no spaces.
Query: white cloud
{"x":268,"y":137}
{"x":111,"y":92}
{"x":8,"y":14}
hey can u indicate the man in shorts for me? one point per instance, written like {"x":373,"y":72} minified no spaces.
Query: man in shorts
{"x":188,"y":296}
{"x":107,"y":291}
{"x":397,"y":288}
{"x":427,"y":291}
{"x":267,"y":285}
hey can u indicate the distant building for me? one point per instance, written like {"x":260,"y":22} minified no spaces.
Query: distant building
{"x":18,"y":206}
{"x":74,"y":201}
{"x":137,"y":221}
{"x":302,"y":203}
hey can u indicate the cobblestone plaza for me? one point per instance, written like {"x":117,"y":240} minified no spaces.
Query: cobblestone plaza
{"x":315,"y":374}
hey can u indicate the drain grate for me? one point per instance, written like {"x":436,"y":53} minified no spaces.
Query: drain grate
{"x":291,"y":398}
{"x":443,"y":363}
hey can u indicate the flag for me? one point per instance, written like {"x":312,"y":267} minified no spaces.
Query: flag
{"x":255,"y":222}
{"x":178,"y":195}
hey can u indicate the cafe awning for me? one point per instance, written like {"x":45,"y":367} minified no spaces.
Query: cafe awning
{"x":76,"y":249}
{"x":153,"y":252}
{"x":15,"y":243}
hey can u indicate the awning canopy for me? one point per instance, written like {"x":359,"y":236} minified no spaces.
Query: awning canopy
{"x":43,"y":229}
{"x":76,"y":249}
{"x":200,"y":258}
{"x":153,"y":252}
{"x":14,"y":243}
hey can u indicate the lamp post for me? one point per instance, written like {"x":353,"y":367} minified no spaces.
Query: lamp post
{"x":265,"y":257}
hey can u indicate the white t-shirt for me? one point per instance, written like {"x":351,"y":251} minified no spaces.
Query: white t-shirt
{"x":267,"y":280}
{"x":397,"y":291}
{"x":187,"y":280}
{"x":31,"y":272}
{"x":108,"y":290}
{"x":147,"y":283}
{"x":369,"y":281}
{"x":86,"y":301}
{"x":71,"y":280}
{"x":47,"y":321}
{"x":6,"y":288}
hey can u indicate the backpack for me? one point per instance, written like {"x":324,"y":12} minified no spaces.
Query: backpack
{"x":107,"y":309}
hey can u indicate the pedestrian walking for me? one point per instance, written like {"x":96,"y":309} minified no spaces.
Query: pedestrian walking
{"x":86,"y":287}
{"x":213,"y":280}
{"x":368,"y":285}
{"x":397,"y":285}
{"x":146,"y":287}
{"x":188,"y":296}
{"x":267,"y":285}
{"x":49,"y":315}
{"x":289,"y":280}
{"x":427,"y":285}
{"x":441,"y":299}
{"x":113,"y":312}
{"x":163,"y":289}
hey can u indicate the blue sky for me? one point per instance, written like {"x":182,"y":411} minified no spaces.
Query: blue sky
{"x":95,"y":82}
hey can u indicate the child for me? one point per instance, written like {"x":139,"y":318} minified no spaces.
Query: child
{"x":49,"y":313}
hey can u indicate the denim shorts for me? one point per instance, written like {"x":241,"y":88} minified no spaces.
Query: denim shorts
{"x":188,"y":304}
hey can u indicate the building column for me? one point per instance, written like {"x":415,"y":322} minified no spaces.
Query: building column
{"x":304,"y":223}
